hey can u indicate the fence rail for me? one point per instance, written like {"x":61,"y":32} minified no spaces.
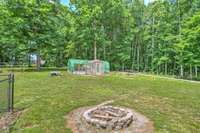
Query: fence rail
{"x":6,"y":92}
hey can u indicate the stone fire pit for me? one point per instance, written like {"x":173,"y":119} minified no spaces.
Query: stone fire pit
{"x":105,"y":118}
{"x":109,"y":117}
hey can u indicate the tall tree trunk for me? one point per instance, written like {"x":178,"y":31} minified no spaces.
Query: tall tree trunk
{"x":157,"y":69}
{"x":182,"y":71}
{"x":95,"y":41}
{"x":123,"y":67}
{"x":132,"y":56}
{"x":146,"y":64}
{"x":165,"y":68}
{"x":152,"y":43}
{"x":174,"y":67}
{"x":133,"y":47}
{"x":179,"y":30}
{"x":29,"y":60}
{"x":95,"y":49}
{"x":138,"y":58}
{"x":104,"y":52}
{"x":191,"y":71}
{"x":38,"y":61}
{"x":196,"y":71}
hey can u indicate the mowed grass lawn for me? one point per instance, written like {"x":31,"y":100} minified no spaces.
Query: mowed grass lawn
{"x":173,"y":106}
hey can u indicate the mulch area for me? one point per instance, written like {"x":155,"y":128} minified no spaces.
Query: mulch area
{"x":8,"y":119}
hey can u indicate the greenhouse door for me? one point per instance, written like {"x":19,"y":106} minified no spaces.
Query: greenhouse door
{"x":98,"y":69}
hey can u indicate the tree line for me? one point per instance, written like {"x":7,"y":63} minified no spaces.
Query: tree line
{"x":160,"y":37}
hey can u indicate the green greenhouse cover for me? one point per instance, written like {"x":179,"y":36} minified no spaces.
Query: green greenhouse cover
{"x":73,"y":62}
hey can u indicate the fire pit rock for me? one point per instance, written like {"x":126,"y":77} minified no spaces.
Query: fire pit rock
{"x":109,"y":117}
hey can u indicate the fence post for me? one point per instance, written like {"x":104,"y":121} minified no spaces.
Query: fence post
{"x":10,"y":92}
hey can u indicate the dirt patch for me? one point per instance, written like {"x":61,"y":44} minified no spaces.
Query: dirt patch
{"x":78,"y":124}
{"x":8,"y":119}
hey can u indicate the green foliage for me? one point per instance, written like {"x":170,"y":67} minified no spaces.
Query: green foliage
{"x":161,"y":37}
{"x":29,"y":26}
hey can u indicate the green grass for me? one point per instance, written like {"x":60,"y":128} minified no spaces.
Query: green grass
{"x":173,"y":106}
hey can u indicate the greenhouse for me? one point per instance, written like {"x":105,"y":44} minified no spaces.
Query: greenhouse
{"x":88,"y":67}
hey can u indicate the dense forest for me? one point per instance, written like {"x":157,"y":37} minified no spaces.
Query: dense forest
{"x":161,"y":37}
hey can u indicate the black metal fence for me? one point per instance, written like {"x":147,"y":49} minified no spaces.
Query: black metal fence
{"x":6,"y":92}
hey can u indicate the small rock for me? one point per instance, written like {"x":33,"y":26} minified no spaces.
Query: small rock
{"x":55,"y":73}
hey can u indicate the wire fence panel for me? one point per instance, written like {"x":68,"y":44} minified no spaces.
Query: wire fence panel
{"x":6,"y":92}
